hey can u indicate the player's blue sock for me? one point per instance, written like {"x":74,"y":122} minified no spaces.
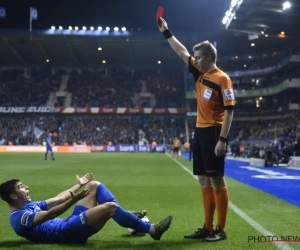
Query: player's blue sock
{"x":103,"y":195}
{"x":129,"y":220}
{"x":52,"y":155}
{"x":46,"y":155}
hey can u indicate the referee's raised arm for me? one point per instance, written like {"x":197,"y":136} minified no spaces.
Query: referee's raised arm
{"x":175,"y":44}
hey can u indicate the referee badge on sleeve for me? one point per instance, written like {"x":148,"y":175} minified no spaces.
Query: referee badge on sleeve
{"x":229,"y":94}
{"x":207,"y":94}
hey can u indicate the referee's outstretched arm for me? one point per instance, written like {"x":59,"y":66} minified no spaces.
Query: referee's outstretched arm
{"x":175,"y":44}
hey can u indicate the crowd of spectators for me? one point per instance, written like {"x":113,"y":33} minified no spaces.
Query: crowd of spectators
{"x":268,"y":80}
{"x":98,"y":130}
{"x":163,"y":130}
{"x":255,"y":139}
{"x":148,"y":88}
{"x":33,"y":89}
{"x":110,"y":88}
{"x":91,"y":130}
{"x":277,"y":104}
{"x":130,"y":88}
{"x":15,"y":128}
{"x":254,"y":61}
{"x":247,"y":139}
{"x":120,"y":88}
{"x":96,"y":89}
{"x":259,"y":62}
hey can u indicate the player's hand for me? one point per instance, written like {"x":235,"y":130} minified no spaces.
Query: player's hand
{"x":79,"y":196}
{"x":220,"y":148}
{"x":85,"y":179}
{"x":162,"y":24}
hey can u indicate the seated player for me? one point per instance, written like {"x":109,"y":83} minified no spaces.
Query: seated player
{"x":49,"y":146}
{"x":38,"y":222}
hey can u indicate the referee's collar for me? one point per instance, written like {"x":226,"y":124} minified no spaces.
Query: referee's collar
{"x":212,"y":71}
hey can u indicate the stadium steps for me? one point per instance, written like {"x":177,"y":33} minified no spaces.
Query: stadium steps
{"x":64,"y":82}
{"x":144,"y":87}
{"x":51,"y":99}
{"x":68,"y":100}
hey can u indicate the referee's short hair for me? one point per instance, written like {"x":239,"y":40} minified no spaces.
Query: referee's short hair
{"x":207,"y":48}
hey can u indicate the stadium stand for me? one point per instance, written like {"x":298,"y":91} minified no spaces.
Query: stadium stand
{"x":73,"y":83}
{"x":32,"y":89}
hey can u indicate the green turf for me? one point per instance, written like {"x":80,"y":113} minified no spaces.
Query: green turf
{"x":145,"y":181}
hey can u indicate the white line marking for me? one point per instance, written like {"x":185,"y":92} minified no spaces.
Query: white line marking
{"x":249,"y":220}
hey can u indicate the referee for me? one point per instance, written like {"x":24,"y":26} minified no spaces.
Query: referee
{"x":215,"y":103}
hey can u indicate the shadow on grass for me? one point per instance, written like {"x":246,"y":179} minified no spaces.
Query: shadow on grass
{"x":28,"y":244}
{"x":154,"y":245}
{"x":107,"y":245}
{"x":18,"y":244}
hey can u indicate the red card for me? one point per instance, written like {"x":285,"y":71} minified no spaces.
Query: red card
{"x":160,"y":12}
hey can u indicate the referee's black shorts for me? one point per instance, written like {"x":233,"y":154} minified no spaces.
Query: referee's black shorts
{"x":205,"y":162}
{"x":175,"y":150}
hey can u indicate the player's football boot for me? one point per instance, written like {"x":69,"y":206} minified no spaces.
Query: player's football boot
{"x":141,"y":213}
{"x":161,"y":227}
{"x":201,"y":233}
{"x":216,"y":235}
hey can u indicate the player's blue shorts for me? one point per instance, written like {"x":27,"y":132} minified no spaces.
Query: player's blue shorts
{"x":49,"y":148}
{"x":75,"y":228}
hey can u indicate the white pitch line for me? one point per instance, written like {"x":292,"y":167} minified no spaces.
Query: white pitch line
{"x":249,"y":220}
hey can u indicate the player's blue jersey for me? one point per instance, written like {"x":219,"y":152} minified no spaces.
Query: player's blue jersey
{"x":48,"y":141}
{"x":22,"y":222}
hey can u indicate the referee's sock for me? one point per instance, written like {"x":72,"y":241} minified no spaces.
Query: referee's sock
{"x":209,"y":205}
{"x":222,"y":200}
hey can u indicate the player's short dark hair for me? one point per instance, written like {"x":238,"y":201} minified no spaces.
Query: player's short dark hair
{"x":7,"y":188}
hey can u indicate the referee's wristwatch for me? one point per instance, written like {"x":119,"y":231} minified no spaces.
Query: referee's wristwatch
{"x":223,"y":139}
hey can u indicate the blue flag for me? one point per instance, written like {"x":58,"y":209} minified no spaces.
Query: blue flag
{"x":37,"y":132}
{"x":2,"y":13}
{"x":29,"y":129}
{"x":33,"y":13}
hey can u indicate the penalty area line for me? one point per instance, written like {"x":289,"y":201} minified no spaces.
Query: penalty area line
{"x":239,"y":212}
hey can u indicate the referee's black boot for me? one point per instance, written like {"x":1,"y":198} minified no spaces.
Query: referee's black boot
{"x":217,"y":235}
{"x":201,"y":233}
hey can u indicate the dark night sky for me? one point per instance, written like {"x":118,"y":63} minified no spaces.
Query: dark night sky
{"x":180,"y":14}
{"x":201,"y":17}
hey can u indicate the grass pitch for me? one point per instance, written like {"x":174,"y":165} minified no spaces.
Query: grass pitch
{"x":146,"y":181}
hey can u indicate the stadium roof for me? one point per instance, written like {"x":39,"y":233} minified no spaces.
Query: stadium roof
{"x":267,"y":16}
{"x":143,"y":46}
{"x":128,"y":49}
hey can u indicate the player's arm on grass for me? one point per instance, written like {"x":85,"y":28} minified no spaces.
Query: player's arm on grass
{"x":43,"y":216}
{"x":179,"y":48}
{"x":65,"y":195}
